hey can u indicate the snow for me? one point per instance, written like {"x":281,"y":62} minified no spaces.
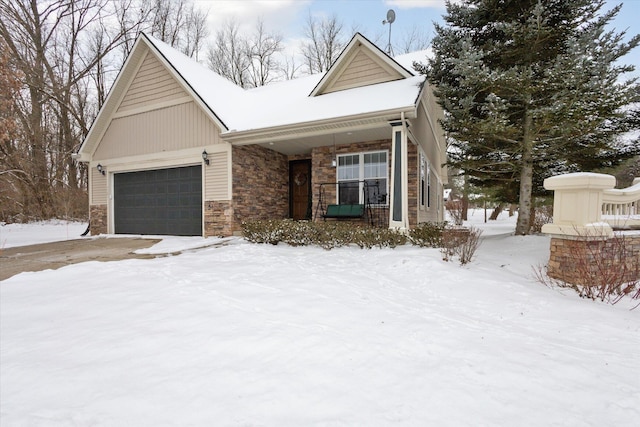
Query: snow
{"x":39,"y":232}
{"x":240,"y":334}
{"x":407,"y":59}
{"x":288,"y":102}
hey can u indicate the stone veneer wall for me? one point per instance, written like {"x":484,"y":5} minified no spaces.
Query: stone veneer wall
{"x":218,"y":218}
{"x":322,"y":171}
{"x":260,"y":185}
{"x":98,"y":219}
{"x":568,"y":255}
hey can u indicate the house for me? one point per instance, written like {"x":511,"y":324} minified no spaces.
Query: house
{"x":178,"y":150}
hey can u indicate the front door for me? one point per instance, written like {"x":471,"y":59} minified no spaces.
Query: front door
{"x":300,"y":189}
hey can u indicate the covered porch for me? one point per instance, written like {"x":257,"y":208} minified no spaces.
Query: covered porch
{"x":347,"y":170}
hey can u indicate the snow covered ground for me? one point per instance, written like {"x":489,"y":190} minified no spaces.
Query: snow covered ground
{"x":238,"y":334}
{"x":39,"y":232}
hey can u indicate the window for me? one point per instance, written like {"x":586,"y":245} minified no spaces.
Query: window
{"x":425,"y":182}
{"x":354,"y":170}
{"x":428,"y":185}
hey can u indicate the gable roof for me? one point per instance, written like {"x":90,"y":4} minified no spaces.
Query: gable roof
{"x":375,"y":58}
{"x":288,"y":103}
{"x":187,"y":73}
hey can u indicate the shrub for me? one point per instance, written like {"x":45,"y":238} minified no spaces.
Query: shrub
{"x":328,"y":235}
{"x":467,"y":248}
{"x":455,"y":208}
{"x":542,"y":215}
{"x":428,"y":234}
{"x":461,"y":243}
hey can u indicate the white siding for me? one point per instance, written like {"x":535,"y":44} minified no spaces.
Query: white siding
{"x":362,"y":70}
{"x":217,"y":175}
{"x":99,"y":184}
{"x":428,"y":140}
{"x":151,"y":85}
{"x":166,"y":129}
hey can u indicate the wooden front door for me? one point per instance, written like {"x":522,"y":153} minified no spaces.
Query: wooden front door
{"x":300,"y":189}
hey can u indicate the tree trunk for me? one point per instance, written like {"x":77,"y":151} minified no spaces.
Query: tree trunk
{"x":496,"y":212}
{"x":465,"y":199}
{"x":523,"y":226}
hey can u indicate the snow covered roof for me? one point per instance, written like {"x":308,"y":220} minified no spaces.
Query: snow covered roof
{"x":407,"y":59}
{"x":288,"y":102}
{"x":241,"y":113}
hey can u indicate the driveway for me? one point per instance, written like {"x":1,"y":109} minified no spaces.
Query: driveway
{"x":58,"y":254}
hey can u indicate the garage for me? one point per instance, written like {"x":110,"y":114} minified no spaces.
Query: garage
{"x":160,"y":201}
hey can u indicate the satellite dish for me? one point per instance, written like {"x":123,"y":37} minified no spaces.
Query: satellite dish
{"x":391,"y":16}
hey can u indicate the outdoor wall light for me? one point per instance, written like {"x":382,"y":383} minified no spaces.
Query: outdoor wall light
{"x":205,"y":157}
{"x":101,"y":169}
{"x":333,"y":163}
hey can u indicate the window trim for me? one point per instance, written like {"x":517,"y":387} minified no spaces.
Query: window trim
{"x":361,"y":177}
{"x":424,"y":181}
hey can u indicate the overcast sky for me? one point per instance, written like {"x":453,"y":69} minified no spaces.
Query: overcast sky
{"x":288,"y":17}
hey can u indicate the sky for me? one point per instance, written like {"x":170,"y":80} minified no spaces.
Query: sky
{"x":367,"y":16}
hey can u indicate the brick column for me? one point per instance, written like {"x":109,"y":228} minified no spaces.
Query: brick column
{"x":585,"y":261}
{"x":98,"y":219}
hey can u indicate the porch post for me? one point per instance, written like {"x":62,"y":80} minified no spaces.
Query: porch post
{"x":398,"y":201}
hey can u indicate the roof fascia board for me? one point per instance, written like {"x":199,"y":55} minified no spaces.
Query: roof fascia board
{"x":315,"y":127}
{"x":338,"y":65}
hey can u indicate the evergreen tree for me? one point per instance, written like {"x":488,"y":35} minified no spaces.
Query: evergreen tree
{"x":531,"y":89}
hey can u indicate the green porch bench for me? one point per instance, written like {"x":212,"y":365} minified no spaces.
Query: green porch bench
{"x":344,"y":211}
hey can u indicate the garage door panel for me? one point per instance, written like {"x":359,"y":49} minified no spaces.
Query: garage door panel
{"x":162,"y":201}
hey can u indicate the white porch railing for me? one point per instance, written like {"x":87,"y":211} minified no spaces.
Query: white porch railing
{"x":621,"y":208}
{"x":586,"y":204}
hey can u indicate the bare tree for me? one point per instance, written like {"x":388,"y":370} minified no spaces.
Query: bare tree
{"x":289,"y":68}
{"x":59,"y":47}
{"x":248,"y":61}
{"x":262,"y":48}
{"x":180,"y":24}
{"x":133,"y":17}
{"x":326,"y":41}
{"x":228,"y":55}
{"x":10,"y":203}
{"x":413,"y":39}
{"x":196,"y":32}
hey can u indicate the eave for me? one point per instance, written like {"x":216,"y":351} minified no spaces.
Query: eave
{"x":318,"y":127}
{"x":338,"y":65}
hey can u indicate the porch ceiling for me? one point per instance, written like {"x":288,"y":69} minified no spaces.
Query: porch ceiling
{"x":304,"y":145}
